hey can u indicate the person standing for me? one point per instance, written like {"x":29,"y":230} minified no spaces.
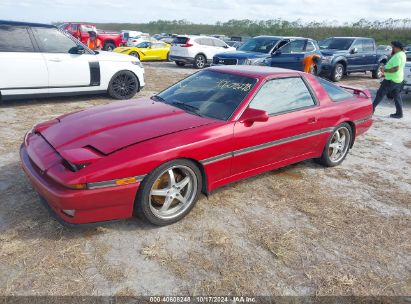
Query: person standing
{"x":93,"y":42}
{"x":394,"y":78}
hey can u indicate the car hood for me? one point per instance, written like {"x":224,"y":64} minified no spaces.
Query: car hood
{"x":242,"y":55}
{"x":113,"y":56}
{"x":329,"y":52}
{"x":112,"y":127}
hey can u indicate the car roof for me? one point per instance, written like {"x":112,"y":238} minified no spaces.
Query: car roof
{"x":347,"y":37}
{"x":254,"y":71}
{"x":280,"y":37}
{"x":21,"y":23}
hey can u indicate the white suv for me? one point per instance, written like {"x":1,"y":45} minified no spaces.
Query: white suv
{"x":41,"y":60}
{"x":196,"y":50}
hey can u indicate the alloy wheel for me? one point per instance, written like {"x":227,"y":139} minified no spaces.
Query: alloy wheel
{"x":173,"y":192}
{"x":339,"y":144}
{"x":124,"y":84}
{"x":200,"y":62}
{"x":339,"y":72}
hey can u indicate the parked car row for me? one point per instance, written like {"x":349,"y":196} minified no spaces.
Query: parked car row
{"x":338,"y":56}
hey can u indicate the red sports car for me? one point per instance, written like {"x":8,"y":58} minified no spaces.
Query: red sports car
{"x":153,"y":156}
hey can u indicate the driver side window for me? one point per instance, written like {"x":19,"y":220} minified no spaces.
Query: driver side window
{"x":51,"y":40}
{"x":283,"y":95}
{"x":295,"y":46}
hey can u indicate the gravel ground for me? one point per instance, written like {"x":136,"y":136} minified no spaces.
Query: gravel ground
{"x":300,"y":230}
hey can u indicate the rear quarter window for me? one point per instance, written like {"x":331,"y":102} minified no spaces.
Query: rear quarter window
{"x":15,"y":39}
{"x":180,"y":40}
{"x":335,"y":92}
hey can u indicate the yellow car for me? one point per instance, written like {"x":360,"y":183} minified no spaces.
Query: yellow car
{"x":147,"y":50}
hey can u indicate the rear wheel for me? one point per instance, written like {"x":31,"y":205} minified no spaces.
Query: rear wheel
{"x":378,"y":73}
{"x":337,"y":73}
{"x":169,"y":192}
{"x":109,"y":47}
{"x":200,"y":61}
{"x":179,"y":63}
{"x":123,"y":85}
{"x":135,"y":54}
{"x":337,"y":146}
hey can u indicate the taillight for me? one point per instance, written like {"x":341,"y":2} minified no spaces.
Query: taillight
{"x":188,"y":44}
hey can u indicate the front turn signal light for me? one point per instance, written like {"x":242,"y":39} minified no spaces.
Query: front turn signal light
{"x":77,"y":186}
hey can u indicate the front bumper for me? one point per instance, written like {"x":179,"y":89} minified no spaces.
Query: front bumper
{"x":91,"y":206}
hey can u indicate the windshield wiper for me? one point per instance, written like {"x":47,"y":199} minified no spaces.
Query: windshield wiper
{"x":189,"y":108}
{"x":157,"y":98}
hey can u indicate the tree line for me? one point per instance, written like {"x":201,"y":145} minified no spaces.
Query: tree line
{"x":382,"y":31}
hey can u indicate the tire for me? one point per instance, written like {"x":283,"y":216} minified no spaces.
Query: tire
{"x":135,"y":54}
{"x":123,"y":85}
{"x":378,"y":73}
{"x":149,"y":206}
{"x":335,"y":144}
{"x":337,"y":72}
{"x":200,"y":61}
{"x":180,"y":64}
{"x":109,"y":46}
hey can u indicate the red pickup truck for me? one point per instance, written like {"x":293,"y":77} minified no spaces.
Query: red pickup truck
{"x":109,"y":40}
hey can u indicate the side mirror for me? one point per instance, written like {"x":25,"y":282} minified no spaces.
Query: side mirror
{"x":78,"y":50}
{"x":354,"y":51}
{"x":226,"y":46}
{"x":276,"y":53}
{"x":251,"y":116}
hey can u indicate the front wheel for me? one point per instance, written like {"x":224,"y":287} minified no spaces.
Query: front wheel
{"x":123,"y":85}
{"x":200,"y":61}
{"x":337,"y":73}
{"x":378,"y":73}
{"x":169,"y":192}
{"x":337,"y":146}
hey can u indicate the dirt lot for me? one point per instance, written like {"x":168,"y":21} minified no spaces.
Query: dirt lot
{"x":301,"y":230}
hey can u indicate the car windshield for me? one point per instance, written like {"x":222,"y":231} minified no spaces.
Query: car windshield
{"x":259,"y":44}
{"x":209,"y":93}
{"x":336,"y":43}
{"x":143,"y":45}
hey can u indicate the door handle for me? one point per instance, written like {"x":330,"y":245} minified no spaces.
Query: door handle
{"x":55,"y":59}
{"x":312,"y":120}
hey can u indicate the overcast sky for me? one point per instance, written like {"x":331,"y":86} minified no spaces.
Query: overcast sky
{"x":201,"y":11}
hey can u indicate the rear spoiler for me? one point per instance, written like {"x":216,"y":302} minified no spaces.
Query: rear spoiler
{"x":357,"y":91}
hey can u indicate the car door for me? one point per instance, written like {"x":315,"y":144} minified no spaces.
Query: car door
{"x":369,"y":54}
{"x":219,"y":46}
{"x":291,"y":132}
{"x":355,"y":59}
{"x":66,"y":68}
{"x":22,"y":67}
{"x":290,"y":56}
{"x":145,"y":48}
{"x":157,"y":50}
{"x":208,"y":48}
